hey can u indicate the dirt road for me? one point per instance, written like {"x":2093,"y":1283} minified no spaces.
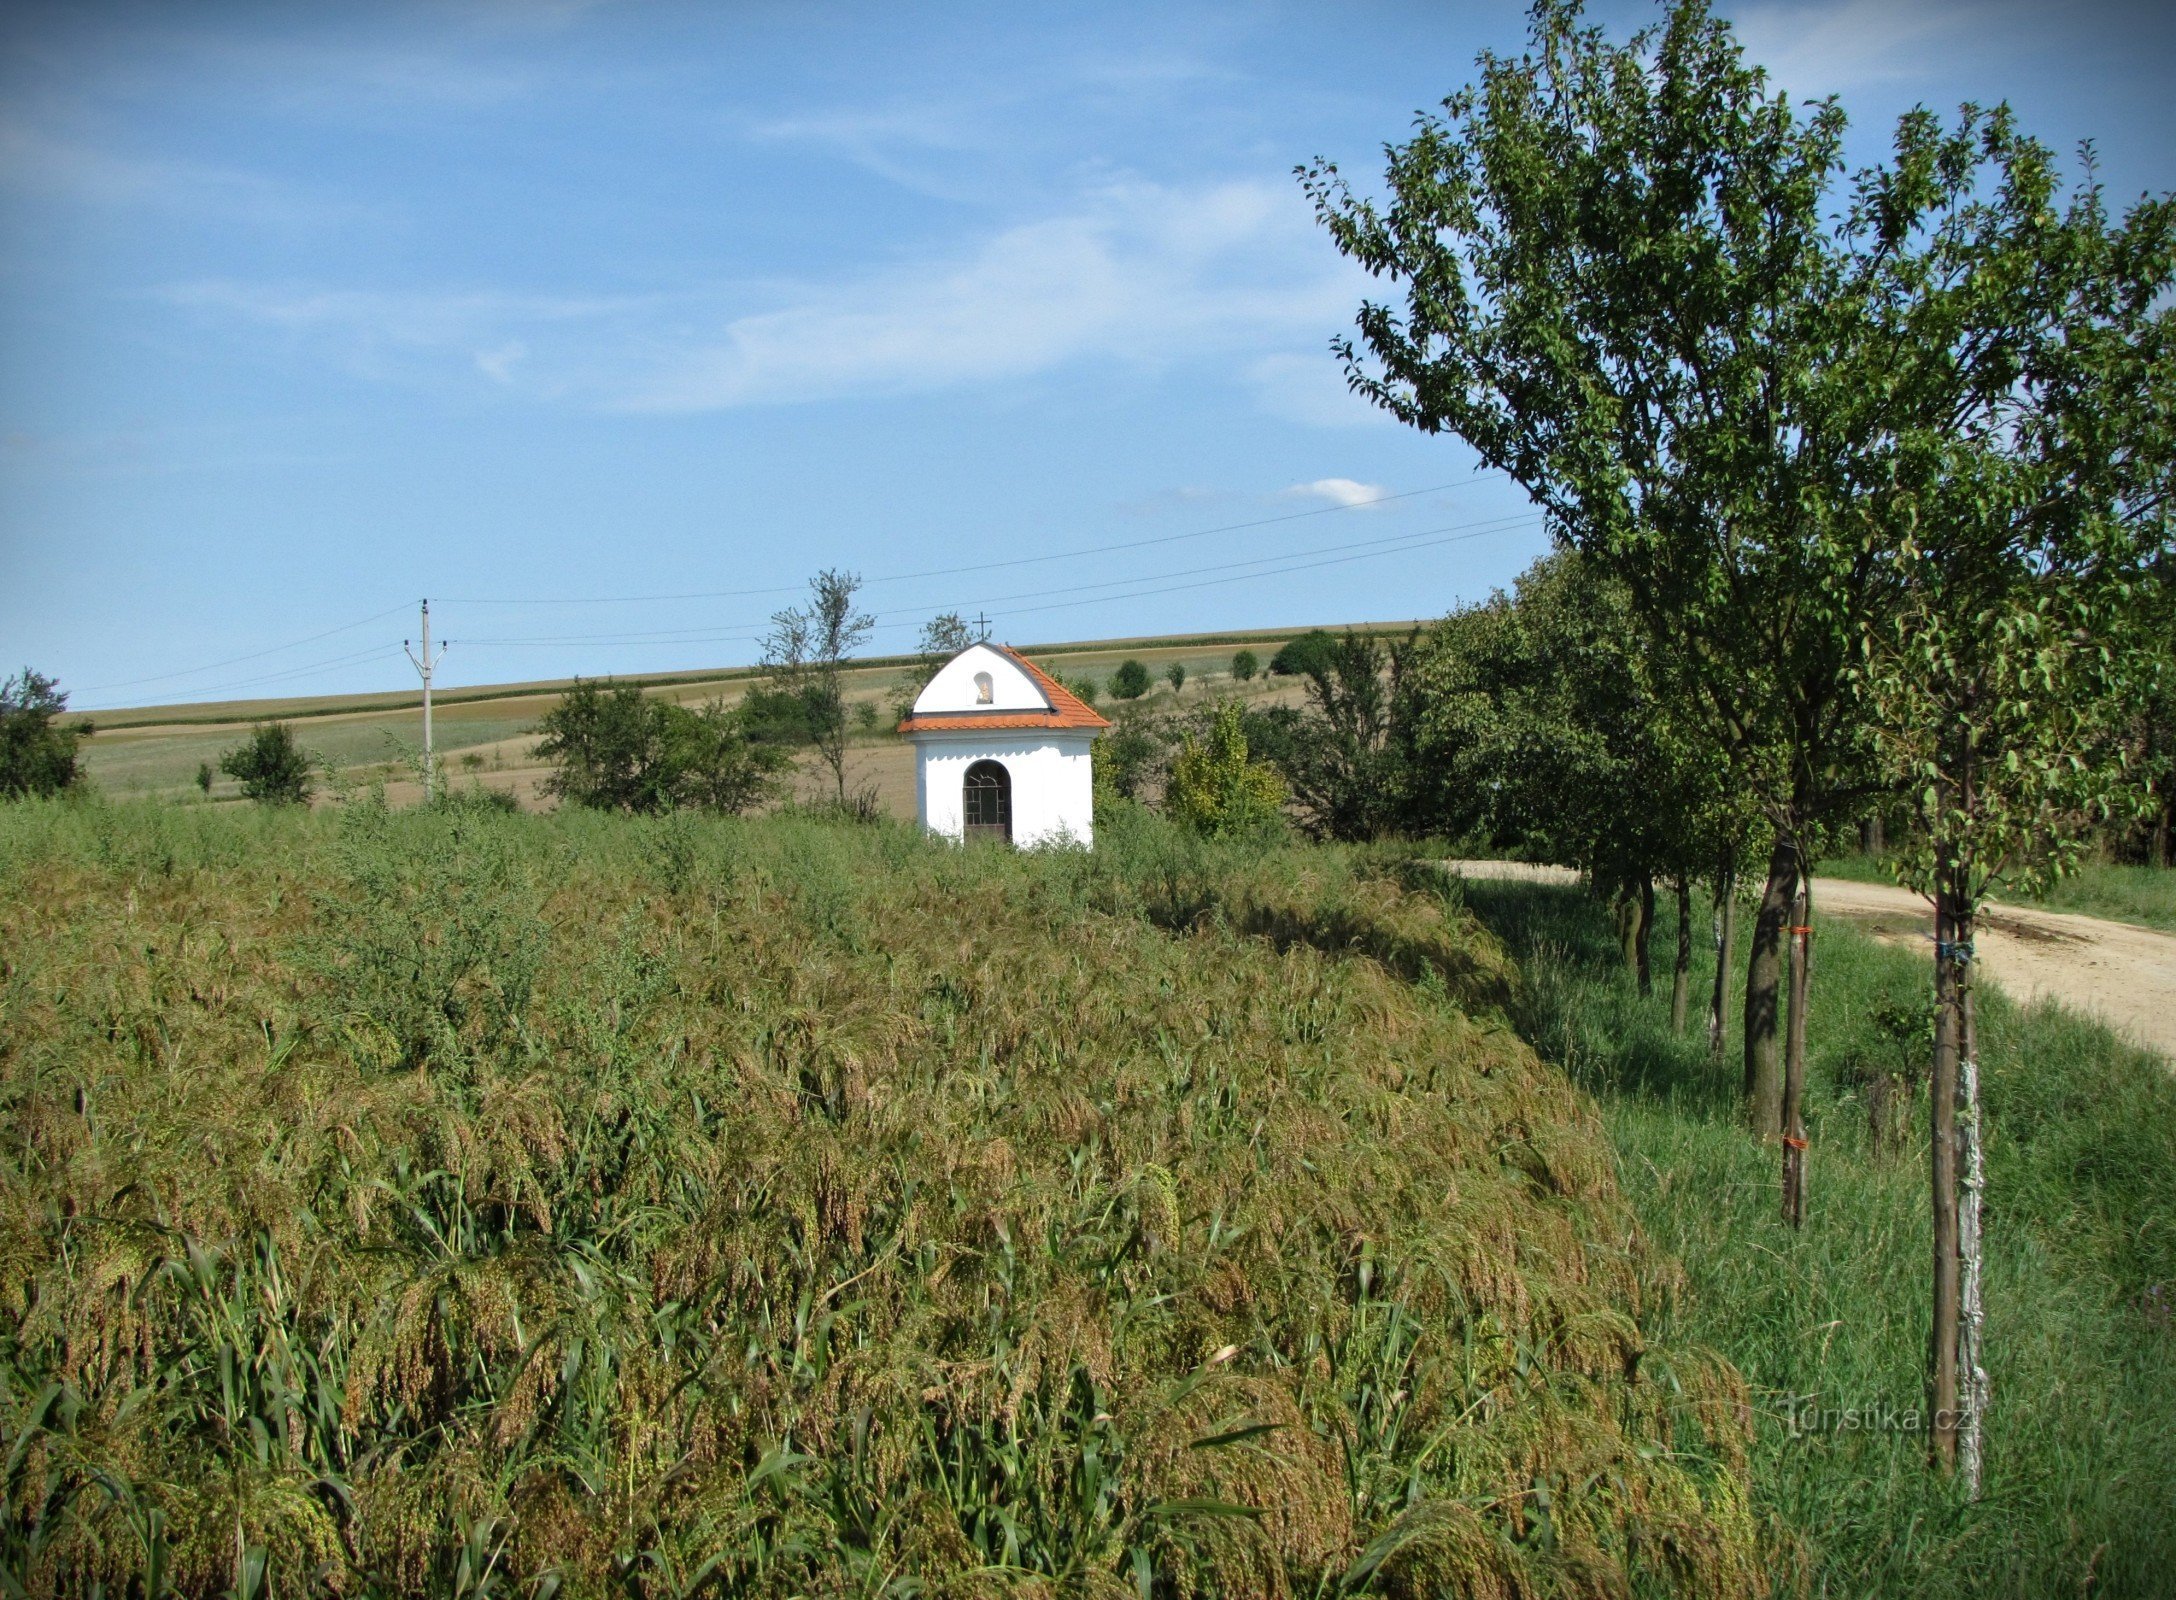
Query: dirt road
{"x":2124,"y":975}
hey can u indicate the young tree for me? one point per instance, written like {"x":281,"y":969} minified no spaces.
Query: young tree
{"x":1245,"y":664}
{"x":1130,"y":681}
{"x":1216,"y":788}
{"x":2027,"y":457}
{"x":204,"y":778}
{"x":1175,"y":675}
{"x":1343,"y":758}
{"x":37,"y":754}
{"x":806,"y":652}
{"x":712,"y":763}
{"x":1621,"y":289}
{"x":270,"y":766}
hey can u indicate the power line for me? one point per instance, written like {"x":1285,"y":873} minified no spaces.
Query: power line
{"x":1367,"y":549}
{"x":272,"y":650}
{"x":991,"y":566}
{"x":714,"y":636}
{"x":282,"y":676}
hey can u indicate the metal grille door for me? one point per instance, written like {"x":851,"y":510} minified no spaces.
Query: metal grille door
{"x":989,"y":802}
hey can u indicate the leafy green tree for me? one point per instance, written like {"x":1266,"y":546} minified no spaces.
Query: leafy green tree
{"x":204,"y":778}
{"x":1295,"y":656}
{"x":1245,"y":664}
{"x":616,"y":749}
{"x":1622,"y":289}
{"x":37,"y":753}
{"x":713,"y":763}
{"x":606,"y":746}
{"x":271,"y":766}
{"x":1216,"y":788}
{"x":1130,"y":681}
{"x":806,"y":651}
{"x":1175,"y":675}
{"x":1342,"y":757}
{"x":2026,"y":451}
{"x":1086,"y":688}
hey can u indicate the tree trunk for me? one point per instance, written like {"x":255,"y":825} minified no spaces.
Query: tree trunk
{"x":1794,"y":1062}
{"x":1681,"y":977}
{"x":1635,"y":914}
{"x":1942,"y":1147}
{"x":1971,"y":1317}
{"x":1763,"y":992}
{"x":2160,"y":847}
{"x":1646,"y":935}
{"x":1870,"y":840}
{"x":1726,"y":929}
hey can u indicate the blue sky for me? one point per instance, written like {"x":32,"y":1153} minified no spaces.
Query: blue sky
{"x":308,"y":311}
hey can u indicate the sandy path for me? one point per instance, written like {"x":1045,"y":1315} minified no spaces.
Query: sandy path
{"x":2123,"y":975}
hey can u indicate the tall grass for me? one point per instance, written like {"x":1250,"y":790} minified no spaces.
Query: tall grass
{"x":460,"y":1203}
{"x":2081,"y":1208}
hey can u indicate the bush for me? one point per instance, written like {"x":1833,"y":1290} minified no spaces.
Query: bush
{"x":37,"y":755}
{"x":1175,"y":675}
{"x":271,"y":767}
{"x":1215,"y":789}
{"x":1245,"y":666}
{"x":1310,"y":652}
{"x":622,"y":751}
{"x":1130,"y":681}
{"x":1086,"y":688}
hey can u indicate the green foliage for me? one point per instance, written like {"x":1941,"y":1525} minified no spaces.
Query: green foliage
{"x":271,"y":766}
{"x":1535,"y":719}
{"x":204,"y":778}
{"x":588,"y":1204}
{"x":1175,"y":675}
{"x":1086,"y":688}
{"x":1130,"y":681}
{"x":1296,"y":657}
{"x":1344,"y":759}
{"x":1217,"y":789}
{"x":619,"y":750}
{"x":2082,"y":1165}
{"x":37,"y":754}
{"x":1245,"y":664}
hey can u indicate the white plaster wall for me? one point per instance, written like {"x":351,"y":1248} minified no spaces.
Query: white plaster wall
{"x":1053,"y":784}
{"x":953,"y":689}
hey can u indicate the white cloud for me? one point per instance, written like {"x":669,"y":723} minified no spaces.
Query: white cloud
{"x":1134,"y":274}
{"x":1340,"y":491}
{"x":1814,"y":49}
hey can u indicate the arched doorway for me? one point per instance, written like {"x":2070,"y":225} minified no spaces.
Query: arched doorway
{"x":988,"y":809}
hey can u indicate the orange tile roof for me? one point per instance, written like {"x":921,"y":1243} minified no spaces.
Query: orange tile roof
{"x":1067,"y":709}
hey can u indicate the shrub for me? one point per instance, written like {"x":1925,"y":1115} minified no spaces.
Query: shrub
{"x":1308,"y":653}
{"x":37,"y":755}
{"x":1245,"y":666}
{"x":1130,"y":681}
{"x":622,"y":751}
{"x":1215,"y":789}
{"x":1175,"y":675}
{"x":271,"y":766}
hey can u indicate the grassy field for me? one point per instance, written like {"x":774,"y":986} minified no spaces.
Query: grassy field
{"x":446,"y":1201}
{"x":154,"y":751}
{"x":2081,"y":1276}
{"x":2144,"y":895}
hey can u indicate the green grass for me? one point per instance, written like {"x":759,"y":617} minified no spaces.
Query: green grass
{"x":2144,"y":895}
{"x":2081,"y":1493}
{"x":449,"y":1202}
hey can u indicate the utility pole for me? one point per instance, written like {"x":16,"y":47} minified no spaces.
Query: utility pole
{"x":424,"y":663}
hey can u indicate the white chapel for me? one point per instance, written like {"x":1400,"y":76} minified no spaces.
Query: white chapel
{"x":1002,"y":750}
